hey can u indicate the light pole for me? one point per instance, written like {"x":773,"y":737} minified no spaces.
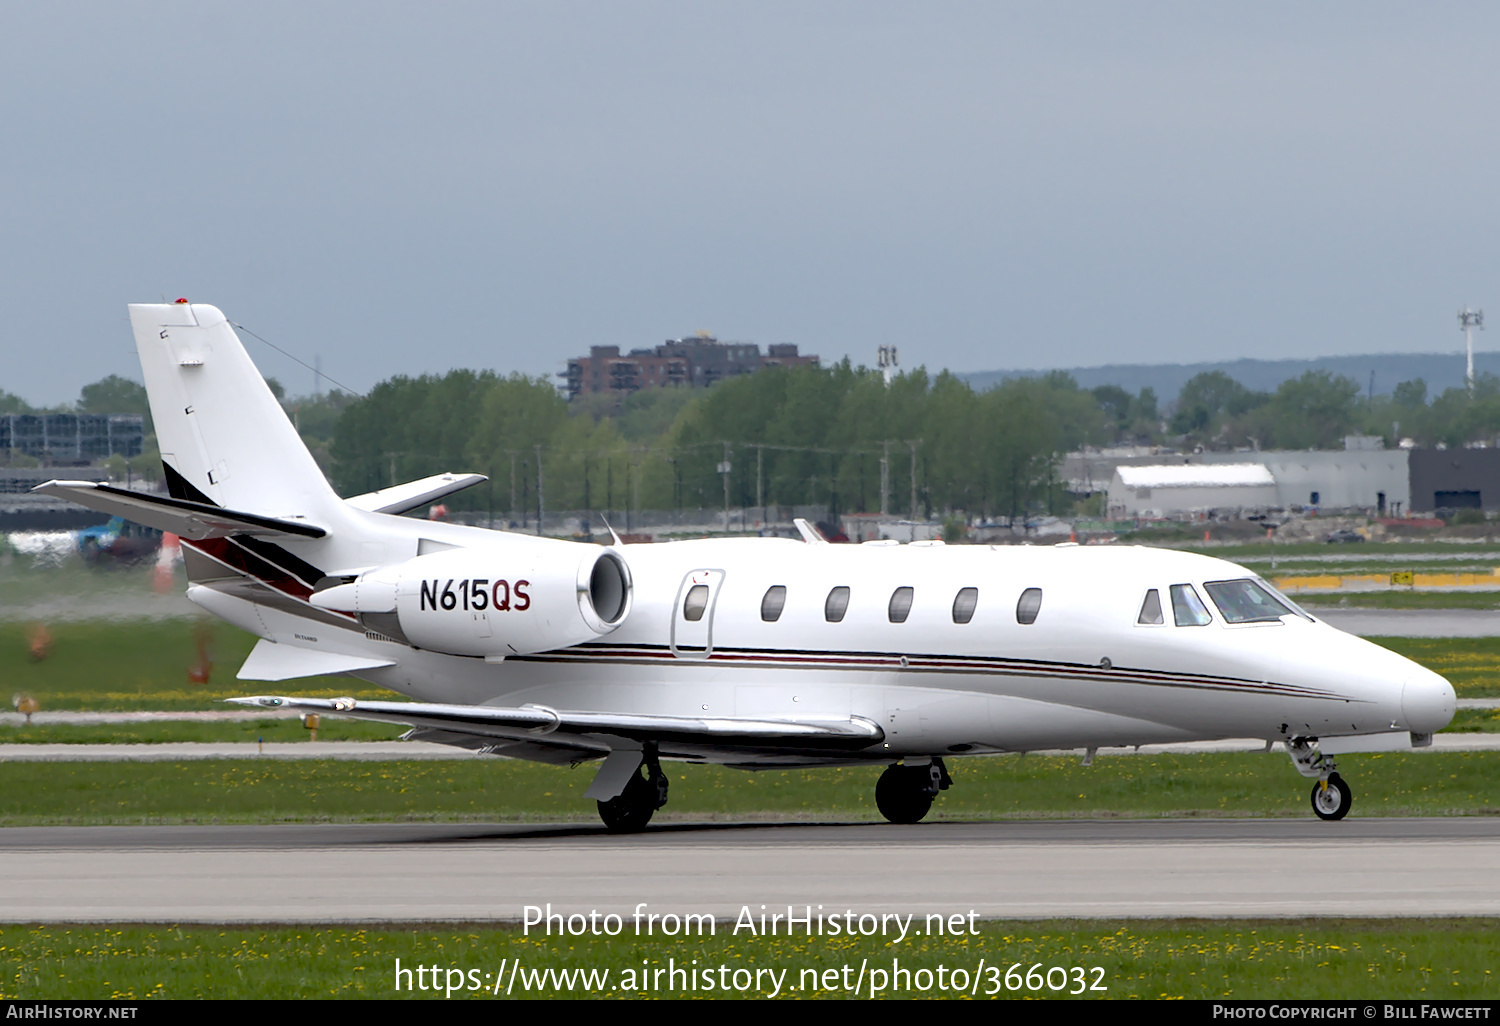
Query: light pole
{"x":724,"y":469}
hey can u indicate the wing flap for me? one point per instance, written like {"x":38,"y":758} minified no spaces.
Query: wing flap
{"x":559,"y":754}
{"x":851,"y":733}
{"x":194,"y":520}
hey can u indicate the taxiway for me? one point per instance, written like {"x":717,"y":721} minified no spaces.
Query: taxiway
{"x":431,"y":872}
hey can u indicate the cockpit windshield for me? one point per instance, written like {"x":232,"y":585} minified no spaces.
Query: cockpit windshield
{"x":1247,"y":601}
{"x":1281,"y":597}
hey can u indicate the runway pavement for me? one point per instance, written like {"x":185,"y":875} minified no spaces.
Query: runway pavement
{"x":425,"y":872}
{"x":1412,"y":623}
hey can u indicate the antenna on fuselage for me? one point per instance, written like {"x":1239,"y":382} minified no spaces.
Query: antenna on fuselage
{"x":616,"y":542}
{"x":809,"y":533}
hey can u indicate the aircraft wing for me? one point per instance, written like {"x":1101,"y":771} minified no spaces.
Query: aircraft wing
{"x":192,"y":520}
{"x":532,"y":721}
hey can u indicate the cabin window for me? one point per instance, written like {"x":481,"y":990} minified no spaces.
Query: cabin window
{"x":1187,"y":608}
{"x":836,"y":605}
{"x":1245,"y":601}
{"x":1151,"y":609}
{"x":773,"y":603}
{"x":696,"y":602}
{"x":1029,"y":605}
{"x":964,"y":605}
{"x":900,"y":607}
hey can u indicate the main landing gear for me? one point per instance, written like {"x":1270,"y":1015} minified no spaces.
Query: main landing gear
{"x":904,"y":794}
{"x":1331,"y":797}
{"x":631,"y":809}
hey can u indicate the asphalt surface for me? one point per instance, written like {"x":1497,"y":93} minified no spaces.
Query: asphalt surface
{"x":1411,"y":623}
{"x":428,"y":872}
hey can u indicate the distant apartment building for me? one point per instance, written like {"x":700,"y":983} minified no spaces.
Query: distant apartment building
{"x":697,"y":361}
{"x":76,"y":439}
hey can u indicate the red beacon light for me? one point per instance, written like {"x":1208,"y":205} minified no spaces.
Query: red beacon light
{"x":181,"y":300}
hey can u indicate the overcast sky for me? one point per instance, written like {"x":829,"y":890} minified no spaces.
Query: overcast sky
{"x":408,"y":188}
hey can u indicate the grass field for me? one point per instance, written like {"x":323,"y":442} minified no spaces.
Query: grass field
{"x":1472,"y":665}
{"x":1474,"y":721}
{"x":991,"y":787}
{"x":1469,"y":721}
{"x":1345,"y":959}
{"x":144,"y":664}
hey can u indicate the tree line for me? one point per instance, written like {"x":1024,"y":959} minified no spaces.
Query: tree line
{"x":834,"y":436}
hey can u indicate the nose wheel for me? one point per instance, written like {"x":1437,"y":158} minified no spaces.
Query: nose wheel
{"x":1332,"y":798}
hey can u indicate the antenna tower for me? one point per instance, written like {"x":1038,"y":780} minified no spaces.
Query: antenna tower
{"x":1468,"y":320}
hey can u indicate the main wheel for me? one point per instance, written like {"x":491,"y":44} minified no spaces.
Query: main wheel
{"x":631,"y":809}
{"x":903,"y":794}
{"x":1333,"y":800}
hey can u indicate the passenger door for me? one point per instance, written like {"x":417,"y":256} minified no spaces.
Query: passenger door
{"x":693,"y":614}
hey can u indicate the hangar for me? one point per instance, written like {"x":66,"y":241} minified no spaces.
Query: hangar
{"x":1451,"y":479}
{"x":1164,"y":489}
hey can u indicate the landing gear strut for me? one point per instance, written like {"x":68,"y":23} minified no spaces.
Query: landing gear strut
{"x":1331,"y":797}
{"x":633,"y":807}
{"x":904,"y":794}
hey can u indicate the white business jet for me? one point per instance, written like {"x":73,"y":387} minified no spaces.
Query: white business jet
{"x":754,"y":653}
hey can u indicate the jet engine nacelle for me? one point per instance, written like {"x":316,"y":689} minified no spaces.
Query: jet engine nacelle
{"x":480,"y":602}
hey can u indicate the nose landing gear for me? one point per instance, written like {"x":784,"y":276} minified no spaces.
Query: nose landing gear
{"x":1331,"y":798}
{"x":904,"y":794}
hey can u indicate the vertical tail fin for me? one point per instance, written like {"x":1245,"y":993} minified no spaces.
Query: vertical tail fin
{"x":223,"y":436}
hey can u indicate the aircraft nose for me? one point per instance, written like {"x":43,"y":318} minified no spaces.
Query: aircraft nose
{"x":1428,"y":701}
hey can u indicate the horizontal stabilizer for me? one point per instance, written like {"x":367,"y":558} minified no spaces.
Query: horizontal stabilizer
{"x":193,"y":520}
{"x":404,"y":498}
{"x":851,"y":733}
{"x":271,"y":661}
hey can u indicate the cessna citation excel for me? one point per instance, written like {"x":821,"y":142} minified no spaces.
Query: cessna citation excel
{"x":758,"y":653}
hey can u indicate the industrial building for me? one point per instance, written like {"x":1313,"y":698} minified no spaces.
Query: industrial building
{"x":1383,"y":481}
{"x":696,"y":361}
{"x":1444,"y":479}
{"x":72,"y":439}
{"x":1376,"y":480}
{"x":1163,"y":489}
